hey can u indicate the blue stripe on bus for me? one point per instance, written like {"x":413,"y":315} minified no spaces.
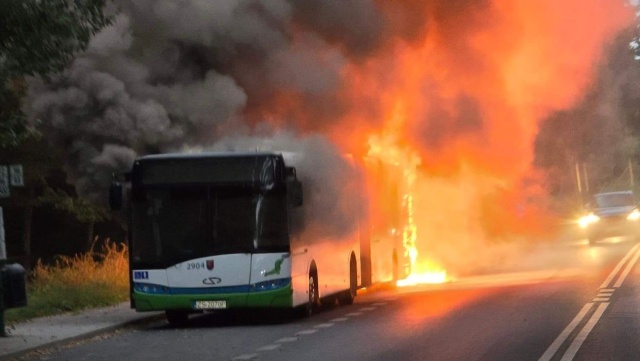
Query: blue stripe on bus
{"x":270,"y":285}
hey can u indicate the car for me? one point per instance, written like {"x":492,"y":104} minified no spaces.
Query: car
{"x":611,"y":214}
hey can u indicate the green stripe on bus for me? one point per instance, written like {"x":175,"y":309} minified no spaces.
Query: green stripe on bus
{"x":281,"y":298}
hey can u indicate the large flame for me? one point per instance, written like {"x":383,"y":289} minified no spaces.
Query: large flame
{"x":454,"y":101}
{"x":447,"y":94}
{"x":386,"y":149}
{"x":465,"y":101}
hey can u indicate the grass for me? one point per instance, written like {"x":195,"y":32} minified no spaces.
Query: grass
{"x":72,"y":284}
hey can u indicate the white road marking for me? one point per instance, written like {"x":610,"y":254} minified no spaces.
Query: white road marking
{"x":603,"y":296}
{"x":250,"y":356}
{"x":325,"y":325}
{"x":563,"y":336}
{"x":626,"y":271}
{"x":278,"y":344}
{"x":577,"y":342}
{"x":269,"y":348}
{"x":287,"y":339}
{"x":613,"y":273}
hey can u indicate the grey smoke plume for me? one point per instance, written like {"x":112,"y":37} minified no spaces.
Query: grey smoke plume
{"x":332,"y":185}
{"x":168,"y":73}
{"x":172,"y":72}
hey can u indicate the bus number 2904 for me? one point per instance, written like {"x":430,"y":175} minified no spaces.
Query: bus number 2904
{"x":196,"y":265}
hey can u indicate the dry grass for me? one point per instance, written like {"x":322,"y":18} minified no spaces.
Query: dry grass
{"x":107,"y":266}
{"x":70,"y":284}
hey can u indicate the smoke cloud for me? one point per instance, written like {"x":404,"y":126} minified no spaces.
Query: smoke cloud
{"x":168,"y":73}
{"x":333,"y":188}
{"x":599,"y":133}
{"x":462,"y":86}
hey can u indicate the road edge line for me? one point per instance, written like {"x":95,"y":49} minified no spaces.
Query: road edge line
{"x":627,"y":269}
{"x":584,"y":333}
{"x":613,"y":273}
{"x":553,"y":348}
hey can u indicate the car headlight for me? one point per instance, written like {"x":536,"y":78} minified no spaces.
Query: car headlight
{"x":590,"y":218}
{"x":634,"y":215}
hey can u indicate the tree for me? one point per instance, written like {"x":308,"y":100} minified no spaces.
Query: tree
{"x":37,"y":158}
{"x":600,"y":135}
{"x":83,"y":210}
{"x":39,"y":38}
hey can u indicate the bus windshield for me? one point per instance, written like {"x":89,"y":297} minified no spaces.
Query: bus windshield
{"x":179,"y":223}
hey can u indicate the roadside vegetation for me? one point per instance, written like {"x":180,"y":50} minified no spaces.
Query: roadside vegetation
{"x":71,"y":284}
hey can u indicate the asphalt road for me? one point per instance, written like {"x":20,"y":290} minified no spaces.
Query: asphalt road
{"x":564,"y":302}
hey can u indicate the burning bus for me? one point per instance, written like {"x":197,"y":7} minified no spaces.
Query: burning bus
{"x":217,"y":231}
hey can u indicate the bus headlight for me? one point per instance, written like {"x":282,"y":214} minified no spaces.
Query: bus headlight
{"x":150,"y":288}
{"x":634,"y":215}
{"x":270,"y":285}
{"x":590,"y":218}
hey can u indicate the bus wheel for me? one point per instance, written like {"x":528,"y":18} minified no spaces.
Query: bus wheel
{"x":347,"y":297}
{"x":312,"y":304}
{"x":394,"y":265}
{"x":177,"y":318}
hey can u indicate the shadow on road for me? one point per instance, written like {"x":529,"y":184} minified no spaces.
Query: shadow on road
{"x":249,"y":317}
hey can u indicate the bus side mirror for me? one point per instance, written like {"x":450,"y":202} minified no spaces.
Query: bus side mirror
{"x":115,"y":196}
{"x":296,"y":193}
{"x":290,"y":172}
{"x":296,"y":186}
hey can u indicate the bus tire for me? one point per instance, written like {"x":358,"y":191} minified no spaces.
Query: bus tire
{"x":177,"y":318}
{"x":347,"y":297}
{"x":394,"y":265}
{"x":312,"y":305}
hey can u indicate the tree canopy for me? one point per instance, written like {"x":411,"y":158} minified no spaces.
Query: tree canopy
{"x":39,"y":38}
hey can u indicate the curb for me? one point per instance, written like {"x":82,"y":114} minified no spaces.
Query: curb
{"x":87,"y":335}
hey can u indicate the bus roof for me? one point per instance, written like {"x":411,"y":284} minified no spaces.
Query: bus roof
{"x":174,"y":156}
{"x":209,"y":168}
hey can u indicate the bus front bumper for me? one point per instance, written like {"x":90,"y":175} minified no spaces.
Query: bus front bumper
{"x":278,"y":298}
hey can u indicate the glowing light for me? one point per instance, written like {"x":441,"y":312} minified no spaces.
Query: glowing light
{"x":595,"y":253}
{"x":589,"y":219}
{"x":634,"y":216}
{"x":435,"y":277}
{"x":386,"y":147}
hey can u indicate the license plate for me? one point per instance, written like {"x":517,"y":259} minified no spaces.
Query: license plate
{"x":210,"y":305}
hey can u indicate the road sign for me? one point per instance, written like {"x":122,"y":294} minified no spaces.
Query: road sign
{"x":17,"y":176}
{"x":4,"y":181}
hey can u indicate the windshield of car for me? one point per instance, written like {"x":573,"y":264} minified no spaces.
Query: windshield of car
{"x":607,"y":200}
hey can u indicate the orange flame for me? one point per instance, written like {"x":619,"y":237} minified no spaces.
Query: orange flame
{"x":384,"y":147}
{"x":453,"y":97}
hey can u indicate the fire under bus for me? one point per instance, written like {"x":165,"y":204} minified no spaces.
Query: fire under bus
{"x":214,"y":231}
